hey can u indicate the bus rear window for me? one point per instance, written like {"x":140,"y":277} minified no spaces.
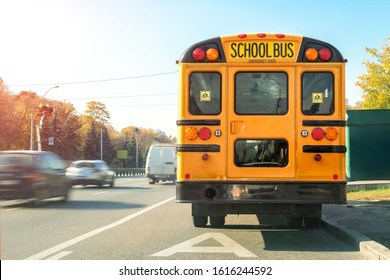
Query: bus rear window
{"x":261,"y":93}
{"x":261,"y":153}
{"x":205,"y":93}
{"x":317,"y":93}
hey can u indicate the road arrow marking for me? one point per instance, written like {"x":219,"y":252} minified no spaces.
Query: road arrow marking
{"x":228,"y":246}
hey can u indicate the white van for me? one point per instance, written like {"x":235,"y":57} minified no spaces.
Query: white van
{"x":161,"y":163}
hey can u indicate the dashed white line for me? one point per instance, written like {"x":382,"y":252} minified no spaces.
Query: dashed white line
{"x":97,"y":193}
{"x":94,"y":232}
{"x":60,"y":255}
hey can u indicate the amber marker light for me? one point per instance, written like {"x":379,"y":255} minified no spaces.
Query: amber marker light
{"x":331,"y":134}
{"x":191,"y":133}
{"x":212,"y":54}
{"x":311,"y":54}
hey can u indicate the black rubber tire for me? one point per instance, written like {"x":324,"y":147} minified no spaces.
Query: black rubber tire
{"x":217,"y":221}
{"x":199,"y":221}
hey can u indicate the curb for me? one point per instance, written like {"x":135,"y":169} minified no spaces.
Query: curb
{"x":371,"y":249}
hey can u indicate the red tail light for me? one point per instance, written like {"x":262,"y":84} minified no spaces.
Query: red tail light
{"x":198,"y":54}
{"x":204,"y":133}
{"x":325,"y":54}
{"x":32,"y":177}
{"x":318,"y":133}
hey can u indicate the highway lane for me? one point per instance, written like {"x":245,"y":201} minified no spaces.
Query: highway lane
{"x":138,"y":221}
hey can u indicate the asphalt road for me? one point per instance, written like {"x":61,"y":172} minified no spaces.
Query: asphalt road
{"x":137,"y":221}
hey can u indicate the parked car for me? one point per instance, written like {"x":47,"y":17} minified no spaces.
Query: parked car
{"x":90,"y":172}
{"x":161,"y":163}
{"x":32,"y":174}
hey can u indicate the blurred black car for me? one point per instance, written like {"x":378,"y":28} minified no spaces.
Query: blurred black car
{"x":32,"y":174}
{"x":90,"y":172}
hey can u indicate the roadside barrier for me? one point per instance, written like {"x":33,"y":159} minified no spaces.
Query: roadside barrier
{"x":127,"y":172}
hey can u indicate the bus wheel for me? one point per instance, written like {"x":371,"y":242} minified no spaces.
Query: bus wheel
{"x":312,"y":222}
{"x":217,"y":221}
{"x":199,"y":221}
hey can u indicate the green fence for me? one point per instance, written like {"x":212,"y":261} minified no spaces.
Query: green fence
{"x":368,"y":145}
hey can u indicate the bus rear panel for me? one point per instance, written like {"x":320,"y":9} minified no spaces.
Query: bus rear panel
{"x":261,"y":128}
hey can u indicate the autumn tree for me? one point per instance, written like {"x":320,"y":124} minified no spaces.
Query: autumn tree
{"x":6,"y":117}
{"x":96,"y":122}
{"x":64,"y":127}
{"x":376,"y":82}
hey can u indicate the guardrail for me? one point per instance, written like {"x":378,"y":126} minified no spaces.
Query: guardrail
{"x":127,"y":172}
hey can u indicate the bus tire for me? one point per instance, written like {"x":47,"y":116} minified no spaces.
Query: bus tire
{"x":199,"y":221}
{"x":217,"y":221}
{"x":312,"y":222}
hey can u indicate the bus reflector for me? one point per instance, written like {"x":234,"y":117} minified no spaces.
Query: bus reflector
{"x":191,"y":133}
{"x":325,"y":54}
{"x":331,"y":134}
{"x":317,"y":133}
{"x":311,"y":54}
{"x":198,"y":54}
{"x":212,"y":54}
{"x":204,"y":133}
{"x":317,"y":157}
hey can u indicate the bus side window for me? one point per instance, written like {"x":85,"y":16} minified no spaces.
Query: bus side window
{"x":317,"y":93}
{"x":205,"y":93}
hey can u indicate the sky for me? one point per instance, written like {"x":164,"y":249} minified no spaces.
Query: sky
{"x":123,"y":52}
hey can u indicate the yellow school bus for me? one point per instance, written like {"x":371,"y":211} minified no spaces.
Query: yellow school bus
{"x":261,"y":128}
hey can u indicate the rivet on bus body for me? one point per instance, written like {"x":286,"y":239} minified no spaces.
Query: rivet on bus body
{"x":187,"y":176}
{"x":205,"y":156}
{"x":317,"y":157}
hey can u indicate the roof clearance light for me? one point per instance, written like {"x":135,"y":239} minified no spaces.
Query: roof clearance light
{"x":261,"y":35}
{"x":311,"y":54}
{"x":242,"y":36}
{"x":325,"y":54}
{"x":191,"y":133}
{"x":280,"y":36}
{"x":318,"y":133}
{"x":331,"y":134}
{"x":198,"y":54}
{"x":212,"y":54}
{"x":204,"y":133}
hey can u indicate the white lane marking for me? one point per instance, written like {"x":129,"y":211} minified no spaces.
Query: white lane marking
{"x":60,"y":255}
{"x":94,"y":232}
{"x":228,"y":246}
{"x":97,"y":193}
{"x":12,"y":209}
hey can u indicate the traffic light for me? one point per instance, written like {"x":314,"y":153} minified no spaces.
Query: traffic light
{"x":44,"y":110}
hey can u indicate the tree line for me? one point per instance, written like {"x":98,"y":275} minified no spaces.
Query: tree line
{"x":69,"y":134}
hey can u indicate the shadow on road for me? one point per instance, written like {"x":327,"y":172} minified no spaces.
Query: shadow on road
{"x":76,"y":205}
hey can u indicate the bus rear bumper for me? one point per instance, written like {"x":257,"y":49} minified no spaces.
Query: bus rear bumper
{"x":263,"y":193}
